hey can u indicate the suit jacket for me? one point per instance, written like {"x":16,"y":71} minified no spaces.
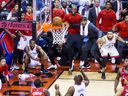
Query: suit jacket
{"x":92,"y":15}
{"x":115,"y":6}
{"x":93,"y":31}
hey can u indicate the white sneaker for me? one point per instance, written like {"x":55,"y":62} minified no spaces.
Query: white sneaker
{"x":52,"y":67}
{"x":113,"y":60}
{"x":16,"y":67}
{"x":58,"y":58}
{"x":95,"y":61}
{"x":73,"y":63}
{"x":81,"y":63}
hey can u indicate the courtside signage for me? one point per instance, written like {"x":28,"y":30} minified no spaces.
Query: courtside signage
{"x":16,"y":25}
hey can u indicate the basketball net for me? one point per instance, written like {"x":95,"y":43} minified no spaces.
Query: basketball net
{"x":58,"y":34}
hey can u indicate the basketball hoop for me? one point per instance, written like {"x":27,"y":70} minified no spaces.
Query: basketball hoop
{"x":58,"y":34}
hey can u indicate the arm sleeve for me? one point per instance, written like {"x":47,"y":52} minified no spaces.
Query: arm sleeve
{"x":96,"y":30}
{"x":98,"y":19}
{"x":6,"y":69}
{"x":117,"y":26}
{"x":114,"y":19}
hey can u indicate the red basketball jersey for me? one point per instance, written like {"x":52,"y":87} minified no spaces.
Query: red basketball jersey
{"x":38,"y":92}
{"x":125,"y":92}
{"x":123,"y":75}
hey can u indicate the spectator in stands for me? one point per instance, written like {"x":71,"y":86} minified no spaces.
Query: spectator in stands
{"x":29,"y":13}
{"x":94,"y":11}
{"x":4,"y":72}
{"x":74,"y":39}
{"x":65,"y":7}
{"x":122,"y":29}
{"x":84,"y":6}
{"x":107,"y":47}
{"x":120,"y":9}
{"x":13,"y":15}
{"x":90,"y":34}
{"x":46,"y":17}
{"x":57,"y":10}
{"x":23,"y":41}
{"x":107,"y":17}
{"x":38,"y":90}
{"x":4,"y":13}
{"x":122,"y":74}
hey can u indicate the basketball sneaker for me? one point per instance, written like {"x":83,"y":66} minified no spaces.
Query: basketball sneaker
{"x":86,"y":66}
{"x":44,"y":71}
{"x":103,"y":75}
{"x":52,"y":67}
{"x":14,"y":67}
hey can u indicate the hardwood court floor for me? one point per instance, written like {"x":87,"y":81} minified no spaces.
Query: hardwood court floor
{"x":22,"y":88}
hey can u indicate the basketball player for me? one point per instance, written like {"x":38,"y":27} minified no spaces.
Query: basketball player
{"x":57,"y":88}
{"x":58,"y":34}
{"x":123,"y":91}
{"x":73,"y":39}
{"x":122,"y":73}
{"x":3,"y":70}
{"x":38,"y":90}
{"x":79,"y":88}
{"x":106,"y":47}
{"x":34,"y":55}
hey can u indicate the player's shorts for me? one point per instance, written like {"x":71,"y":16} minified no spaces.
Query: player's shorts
{"x":112,"y":52}
{"x":33,"y":63}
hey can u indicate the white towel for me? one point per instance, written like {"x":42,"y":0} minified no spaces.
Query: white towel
{"x":84,"y":31}
{"x":0,"y":84}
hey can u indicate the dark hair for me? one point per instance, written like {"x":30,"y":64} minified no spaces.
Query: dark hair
{"x":78,"y":77}
{"x":85,"y":18}
{"x":38,"y":83}
{"x":111,"y":31}
{"x":2,"y":58}
{"x":74,"y":6}
{"x":31,"y":40}
{"x":108,"y":2}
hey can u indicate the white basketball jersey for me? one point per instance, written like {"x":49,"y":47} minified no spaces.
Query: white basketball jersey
{"x":33,"y":52}
{"x":80,"y":90}
{"x":109,"y":43}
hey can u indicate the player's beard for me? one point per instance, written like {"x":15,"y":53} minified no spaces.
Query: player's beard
{"x":73,"y":13}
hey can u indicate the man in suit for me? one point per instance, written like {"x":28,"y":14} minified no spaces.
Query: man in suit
{"x":93,"y":12}
{"x":90,"y":33}
{"x":120,"y":8}
{"x":46,"y":14}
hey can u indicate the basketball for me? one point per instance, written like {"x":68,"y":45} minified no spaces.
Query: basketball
{"x":57,"y":21}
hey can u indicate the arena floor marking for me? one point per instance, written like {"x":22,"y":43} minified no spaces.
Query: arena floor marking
{"x":91,"y":75}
